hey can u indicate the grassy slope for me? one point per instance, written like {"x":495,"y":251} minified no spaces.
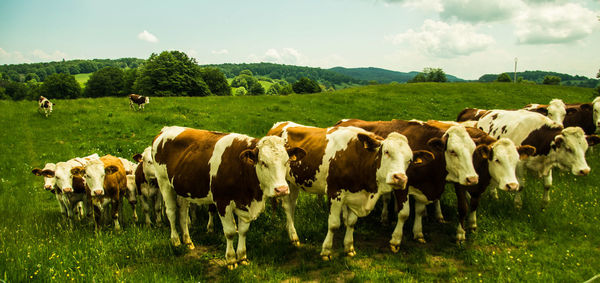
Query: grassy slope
{"x":560,"y":243}
{"x":82,"y":78}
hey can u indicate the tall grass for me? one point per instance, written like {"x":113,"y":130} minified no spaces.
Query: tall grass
{"x":559,"y":244}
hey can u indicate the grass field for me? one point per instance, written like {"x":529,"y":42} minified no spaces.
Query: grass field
{"x":82,"y":78}
{"x":558,"y":244}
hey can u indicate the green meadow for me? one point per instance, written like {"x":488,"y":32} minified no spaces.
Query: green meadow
{"x":559,"y":244}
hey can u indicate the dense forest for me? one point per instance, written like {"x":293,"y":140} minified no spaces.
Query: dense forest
{"x":538,"y":77}
{"x":382,"y":76}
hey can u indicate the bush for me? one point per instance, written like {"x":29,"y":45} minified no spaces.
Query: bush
{"x":256,"y":89}
{"x":503,"y":78}
{"x":216,"y":81}
{"x":306,"y":85}
{"x":551,"y":80}
{"x":60,"y":86}
{"x":108,"y":81}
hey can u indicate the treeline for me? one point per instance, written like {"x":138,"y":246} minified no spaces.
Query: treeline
{"x":539,"y":77}
{"x":40,"y":71}
{"x":289,"y":73}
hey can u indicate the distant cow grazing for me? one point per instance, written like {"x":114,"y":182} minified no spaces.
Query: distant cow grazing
{"x":140,"y":101}
{"x":45,"y":105}
{"x":555,"y":146}
{"x":236,"y":172}
{"x":453,"y":149}
{"x":351,"y":166}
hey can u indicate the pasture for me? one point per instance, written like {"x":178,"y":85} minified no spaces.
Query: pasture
{"x":558,"y":244}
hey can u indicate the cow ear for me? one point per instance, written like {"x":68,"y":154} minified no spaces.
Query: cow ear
{"x":592,"y":140}
{"x":571,"y":111}
{"x":369,"y":141}
{"x":422,"y":157}
{"x":525,"y":151}
{"x":296,"y":153}
{"x":586,"y":106}
{"x":558,"y":141}
{"x":78,"y":171}
{"x":249,"y":156}
{"x":437,"y":144}
{"x":37,"y":171}
{"x":111,"y":169}
{"x":138,"y":158}
{"x":543,"y":111}
{"x":485,"y":151}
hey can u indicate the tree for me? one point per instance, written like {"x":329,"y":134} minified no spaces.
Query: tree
{"x":256,"y":89}
{"x":245,"y":81}
{"x":171,"y":73}
{"x":60,"y":86}
{"x":129,"y":77}
{"x":246,"y":72}
{"x":551,"y":80}
{"x":430,"y":75}
{"x":32,"y":76}
{"x":505,"y":78}
{"x":274,"y":89}
{"x":216,"y":81}
{"x":306,"y":85}
{"x":107,"y":81}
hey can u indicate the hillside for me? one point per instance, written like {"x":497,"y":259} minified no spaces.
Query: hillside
{"x":538,"y":77}
{"x":557,"y":244}
{"x":382,"y":75}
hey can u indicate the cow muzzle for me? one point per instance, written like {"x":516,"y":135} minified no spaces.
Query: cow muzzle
{"x":48,"y":188}
{"x":472,"y":180}
{"x":399,"y":180}
{"x":512,"y":187}
{"x":98,"y":192}
{"x":583,"y":172}
{"x":281,"y":191}
{"x":68,"y":190}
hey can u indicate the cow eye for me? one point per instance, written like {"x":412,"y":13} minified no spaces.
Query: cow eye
{"x":387,"y":152}
{"x":264,"y":164}
{"x":453,"y":152}
{"x":497,"y":160}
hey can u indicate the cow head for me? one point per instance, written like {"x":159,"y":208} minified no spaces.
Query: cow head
{"x":396,"y":156}
{"x":48,"y":173}
{"x":503,"y":157}
{"x":270,"y":158}
{"x":95,"y":171}
{"x":148,"y":164}
{"x":570,"y":146}
{"x":557,"y":111}
{"x":458,"y":152}
{"x":596,"y":107}
{"x":64,"y":176}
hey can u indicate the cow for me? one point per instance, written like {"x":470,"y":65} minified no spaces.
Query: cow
{"x":45,"y":105}
{"x":235,"y":172}
{"x":72,"y":187}
{"x":556,"y":110}
{"x":453,"y":151}
{"x":495,"y":164}
{"x":351,"y":166}
{"x":555,"y":145}
{"x":50,"y":183}
{"x":131,"y":192}
{"x":583,"y":115}
{"x":106,"y":182}
{"x":147,"y":186}
{"x":139,"y":100}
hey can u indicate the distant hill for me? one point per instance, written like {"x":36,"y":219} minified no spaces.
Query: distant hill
{"x":538,"y":77}
{"x":382,"y":75}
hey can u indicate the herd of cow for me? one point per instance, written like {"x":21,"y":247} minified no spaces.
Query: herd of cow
{"x":353,"y":163}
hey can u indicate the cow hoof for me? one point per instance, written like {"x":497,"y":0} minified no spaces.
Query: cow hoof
{"x":395,"y":248}
{"x":244,"y":261}
{"x":232,"y":266}
{"x":296,"y":243}
{"x":351,"y":253}
{"x":326,"y":257}
{"x":190,"y":246}
{"x":421,"y":240}
{"x":473,"y":227}
{"x":442,"y":220}
{"x":175,"y":242}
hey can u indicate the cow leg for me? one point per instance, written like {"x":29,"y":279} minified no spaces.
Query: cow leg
{"x":63,"y":208}
{"x":116,"y":207}
{"x":472,"y":217}
{"x":243,"y":226}
{"x":461,"y":202}
{"x":333,"y":224}
{"x":229,"y":229}
{"x":494,"y":192}
{"x":184,"y":218}
{"x":397,"y":234}
{"x":146,"y":209}
{"x":97,"y":217}
{"x":135,"y":216}
{"x":289,"y":206}
{"x":420,"y":208}
{"x":171,"y":207}
{"x":385,"y":199}
{"x":350,"y":219}
{"x":547,"y":186}
{"x":210,"y":226}
{"x":159,"y":207}
{"x":438,"y":212}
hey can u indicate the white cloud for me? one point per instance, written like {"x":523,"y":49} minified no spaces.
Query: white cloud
{"x":40,"y":55}
{"x":220,"y":52}
{"x":477,"y":11}
{"x":288,"y":56}
{"x":444,"y":40}
{"x":555,"y":24}
{"x":146,"y":36}
{"x":14,"y":57}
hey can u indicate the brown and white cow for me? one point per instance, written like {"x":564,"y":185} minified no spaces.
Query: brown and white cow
{"x":139,"y":100}
{"x":453,"y":149}
{"x":495,"y":164}
{"x":50,"y":183}
{"x":583,"y":115}
{"x":147,"y":186}
{"x":72,"y":187}
{"x":45,"y":105}
{"x":556,"y":110}
{"x":555,"y":146}
{"x":131,"y":192}
{"x":351,"y":166}
{"x":106,"y":182}
{"x":235,"y":172}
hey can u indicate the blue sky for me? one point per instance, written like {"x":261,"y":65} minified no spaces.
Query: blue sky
{"x":466,"y":38}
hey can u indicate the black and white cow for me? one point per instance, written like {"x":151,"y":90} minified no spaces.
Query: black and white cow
{"x":45,"y":105}
{"x":139,"y":100}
